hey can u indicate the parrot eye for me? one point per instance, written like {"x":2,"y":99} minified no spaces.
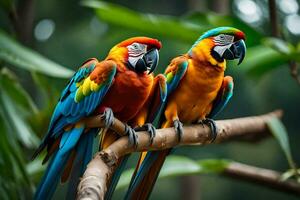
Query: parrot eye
{"x":136,"y":49}
{"x":223,"y":39}
{"x":135,"y":46}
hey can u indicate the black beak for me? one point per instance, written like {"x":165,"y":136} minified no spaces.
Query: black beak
{"x":236,"y":50}
{"x":148,"y":62}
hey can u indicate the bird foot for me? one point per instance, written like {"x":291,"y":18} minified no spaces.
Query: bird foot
{"x":108,"y":117}
{"x":213,"y":127}
{"x":133,"y":137}
{"x":178,"y":126}
{"x":149,"y":128}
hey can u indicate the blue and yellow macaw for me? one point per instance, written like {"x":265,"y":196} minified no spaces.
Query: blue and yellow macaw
{"x":120,"y":85}
{"x":197,"y":92}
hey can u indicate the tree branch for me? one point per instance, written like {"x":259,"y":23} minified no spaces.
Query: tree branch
{"x":273,"y":18}
{"x":276,"y":33}
{"x":265,"y":177}
{"x":22,"y":18}
{"x":94,"y":181}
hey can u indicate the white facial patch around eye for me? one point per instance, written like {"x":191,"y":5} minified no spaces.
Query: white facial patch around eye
{"x":136,"y":49}
{"x":223,"y":39}
{"x":135,"y":52}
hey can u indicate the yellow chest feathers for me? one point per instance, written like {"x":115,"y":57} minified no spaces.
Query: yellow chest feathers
{"x":193,"y":98}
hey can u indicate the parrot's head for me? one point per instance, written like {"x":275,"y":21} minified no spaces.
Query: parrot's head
{"x":139,"y":54}
{"x":222,"y":43}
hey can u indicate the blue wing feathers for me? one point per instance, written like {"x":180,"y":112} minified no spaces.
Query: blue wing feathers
{"x":84,"y":152}
{"x":56,"y":166}
{"x":64,"y":138}
{"x":72,"y":111}
{"x":68,"y":111}
{"x":223,"y":97}
{"x":178,"y":76}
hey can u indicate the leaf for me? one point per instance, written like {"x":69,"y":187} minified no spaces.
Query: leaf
{"x":35,"y":169}
{"x":279,"y":132}
{"x":298,"y":47}
{"x":289,"y":174}
{"x":213,"y":165}
{"x":10,"y":84}
{"x":278,"y":45}
{"x":125,"y":179}
{"x":11,"y":161}
{"x":187,"y":28}
{"x":181,"y":166}
{"x":274,"y":52}
{"x":25,"y":58}
{"x":156,"y":24}
{"x":261,"y":59}
{"x":16,"y":120}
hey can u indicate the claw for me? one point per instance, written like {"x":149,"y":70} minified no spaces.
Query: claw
{"x":213,"y":127}
{"x":133,"y":137}
{"x":149,"y":128}
{"x":178,"y":128}
{"x":202,"y":123}
{"x":108,"y":117}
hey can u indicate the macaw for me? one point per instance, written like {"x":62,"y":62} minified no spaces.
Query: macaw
{"x":197,"y":92}
{"x":117,"y":86}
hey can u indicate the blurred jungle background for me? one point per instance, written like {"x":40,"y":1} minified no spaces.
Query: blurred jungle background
{"x":43,"y":42}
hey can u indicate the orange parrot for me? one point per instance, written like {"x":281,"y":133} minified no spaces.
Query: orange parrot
{"x":197,"y":91}
{"x":118,"y":86}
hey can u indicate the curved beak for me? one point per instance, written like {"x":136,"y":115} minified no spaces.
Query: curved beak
{"x":151,"y":59}
{"x":148,"y":62}
{"x":235,"y":50}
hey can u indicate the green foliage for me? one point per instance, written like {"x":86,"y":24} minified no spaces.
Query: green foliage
{"x":263,"y":54}
{"x":181,"y":166}
{"x":21,"y":117}
{"x":16,"y":110}
{"x":16,"y":103}
{"x":279,"y":132}
{"x":273,"y":53}
{"x":187,"y":28}
{"x":149,"y":23}
{"x":14,"y":129}
{"x":291,"y":173}
{"x":20,"y":56}
{"x":261,"y":60}
{"x":278,"y":45}
{"x":35,"y":170}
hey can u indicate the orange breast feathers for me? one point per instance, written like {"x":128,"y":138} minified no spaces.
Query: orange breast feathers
{"x":128,"y":93}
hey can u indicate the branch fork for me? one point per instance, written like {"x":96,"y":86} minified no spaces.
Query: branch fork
{"x":94,"y":182}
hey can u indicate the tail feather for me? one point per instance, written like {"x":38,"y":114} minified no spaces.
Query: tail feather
{"x":84,"y":153}
{"x":146,"y":174}
{"x":68,"y":167}
{"x":56,"y":166}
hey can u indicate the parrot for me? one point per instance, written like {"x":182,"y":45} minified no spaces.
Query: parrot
{"x":197,"y":91}
{"x":119,"y":86}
